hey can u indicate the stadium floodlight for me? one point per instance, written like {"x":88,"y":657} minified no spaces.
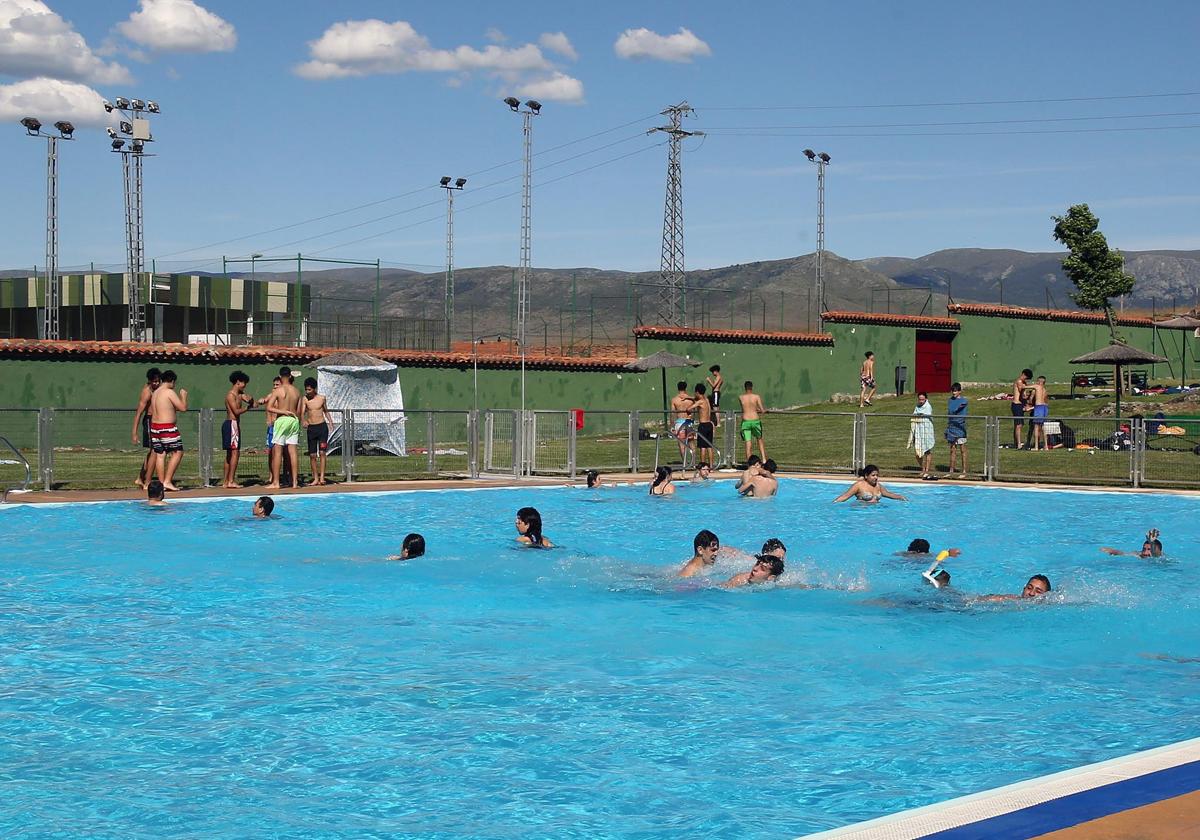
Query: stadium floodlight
{"x":534,"y":105}
{"x":126,"y":128}
{"x":122,"y":102}
{"x":137,"y":104}
{"x":32,"y":125}
{"x":108,"y":106}
{"x":117,"y":143}
{"x":460,"y":183}
{"x":824,"y":157}
{"x":445,"y":180}
{"x":65,"y":129}
{"x":151,"y":106}
{"x":810,"y":154}
{"x":138,"y":145}
{"x":112,"y":133}
{"x":512,"y":102}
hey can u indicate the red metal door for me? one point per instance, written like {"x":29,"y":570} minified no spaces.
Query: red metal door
{"x":934,"y":358}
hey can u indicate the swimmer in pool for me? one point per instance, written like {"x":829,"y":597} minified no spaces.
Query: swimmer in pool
{"x":767,"y":567}
{"x":918,"y":549}
{"x":935,"y":575}
{"x":263,"y":506}
{"x":1151,"y":547}
{"x":663,"y":484}
{"x":529,"y":527}
{"x":156,"y":493}
{"x":702,"y":475}
{"x":868,"y":488}
{"x":1037,"y":586}
{"x":705,"y":547}
{"x":763,"y":483}
{"x":413,"y":546}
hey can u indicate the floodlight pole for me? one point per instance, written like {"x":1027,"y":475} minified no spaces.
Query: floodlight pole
{"x":450,"y":188}
{"x":134,"y":112}
{"x":49,"y":325}
{"x":820,"y":159}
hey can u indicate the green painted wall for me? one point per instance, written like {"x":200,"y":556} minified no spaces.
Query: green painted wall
{"x":990,"y":349}
{"x":97,"y":384}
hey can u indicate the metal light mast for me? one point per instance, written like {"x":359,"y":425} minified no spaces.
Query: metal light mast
{"x":137,"y":127}
{"x":671,"y":309}
{"x":449,"y":294}
{"x":820,"y":159}
{"x":49,"y":326}
{"x":532,"y":109}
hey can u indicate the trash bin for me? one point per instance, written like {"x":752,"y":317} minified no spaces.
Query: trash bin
{"x":901,"y":379}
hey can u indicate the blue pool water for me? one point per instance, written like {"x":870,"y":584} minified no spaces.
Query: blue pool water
{"x":196,"y":672}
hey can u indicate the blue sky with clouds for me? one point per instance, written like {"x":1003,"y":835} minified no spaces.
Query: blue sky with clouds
{"x":276,"y":114}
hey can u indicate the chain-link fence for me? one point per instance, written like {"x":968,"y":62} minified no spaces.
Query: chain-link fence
{"x":898,"y":443}
{"x":1075,"y":449}
{"x":18,"y":429}
{"x":1171,"y":451}
{"x":806,"y":442}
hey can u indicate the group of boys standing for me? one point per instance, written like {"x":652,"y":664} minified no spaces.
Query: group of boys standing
{"x":288,"y":411}
{"x":698,"y":414}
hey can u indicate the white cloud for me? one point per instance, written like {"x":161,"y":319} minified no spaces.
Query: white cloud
{"x":373,"y":47}
{"x":495,"y":35}
{"x":683,"y":46}
{"x":51,"y":100}
{"x":557,"y":88}
{"x":178,"y":26}
{"x":35,"y":41}
{"x":558,"y":42}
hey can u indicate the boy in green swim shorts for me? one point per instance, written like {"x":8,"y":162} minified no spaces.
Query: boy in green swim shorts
{"x":751,"y":428}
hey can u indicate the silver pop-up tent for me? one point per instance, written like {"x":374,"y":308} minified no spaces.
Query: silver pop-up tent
{"x":370,"y":386}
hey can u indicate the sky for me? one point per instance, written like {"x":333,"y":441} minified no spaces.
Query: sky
{"x":323,"y":128}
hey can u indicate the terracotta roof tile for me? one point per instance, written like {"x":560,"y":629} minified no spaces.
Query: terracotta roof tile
{"x":735,"y":336}
{"x":927,"y":322}
{"x":11,"y":348}
{"x":1031,"y":314}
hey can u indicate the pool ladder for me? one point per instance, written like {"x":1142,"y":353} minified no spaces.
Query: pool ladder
{"x":24,"y":488}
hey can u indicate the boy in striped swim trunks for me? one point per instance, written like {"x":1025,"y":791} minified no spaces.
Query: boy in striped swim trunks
{"x":165,"y":440}
{"x":237,"y":403}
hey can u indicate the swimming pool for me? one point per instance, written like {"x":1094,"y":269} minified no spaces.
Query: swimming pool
{"x":196,"y":671}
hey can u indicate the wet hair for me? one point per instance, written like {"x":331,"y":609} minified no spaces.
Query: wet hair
{"x":311,"y":382}
{"x":593,"y":478}
{"x":957,"y":386}
{"x":266,"y":503}
{"x":704,"y":539}
{"x":776,"y":563}
{"x":680,"y":385}
{"x":868,"y":354}
{"x":942,"y":577}
{"x":867,"y":470}
{"x":533,"y":519}
{"x":413,"y":546}
{"x":700,"y":389}
{"x":1027,"y":372}
{"x":168,"y":376}
{"x":919,"y":546}
{"x":237,"y":376}
{"x":153,"y":373}
{"x":752,"y":460}
{"x":155,"y":489}
{"x":769,"y":465}
{"x":1043,"y":579}
{"x":772,"y":544}
{"x":747,"y":384}
{"x":661,"y":475}
{"x":703,"y":465}
{"x":1156,"y":547}
{"x":715,"y":369}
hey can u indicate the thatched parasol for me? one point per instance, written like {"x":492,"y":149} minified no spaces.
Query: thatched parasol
{"x":661,"y":361}
{"x":1118,"y":354}
{"x":1180,"y":322}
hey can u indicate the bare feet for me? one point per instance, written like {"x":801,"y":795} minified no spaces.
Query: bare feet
{"x":171,"y":487}
{"x":271,"y":487}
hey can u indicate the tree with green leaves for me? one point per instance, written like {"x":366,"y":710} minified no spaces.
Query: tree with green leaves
{"x":1097,"y":272}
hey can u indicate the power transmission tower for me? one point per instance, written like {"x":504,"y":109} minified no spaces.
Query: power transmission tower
{"x":671,"y":307}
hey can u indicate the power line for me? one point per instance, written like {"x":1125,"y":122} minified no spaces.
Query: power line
{"x":1036,"y":120}
{"x":1125,"y":97}
{"x":399,"y":196}
{"x":737,"y":133}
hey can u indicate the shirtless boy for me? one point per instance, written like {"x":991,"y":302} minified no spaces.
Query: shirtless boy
{"x":237,"y":403}
{"x":1041,"y":410}
{"x":285,"y":402}
{"x":866,"y":379}
{"x":716,"y":383}
{"x":142,"y":418}
{"x":682,"y":406}
{"x":705,"y":547}
{"x":165,"y":439}
{"x":704,"y":425}
{"x":752,"y":411}
{"x":762,"y":483}
{"x":767,"y":567}
{"x":316,"y":421}
{"x":1018,"y":405}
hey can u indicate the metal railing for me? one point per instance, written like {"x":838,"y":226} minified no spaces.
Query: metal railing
{"x":21,"y":461}
{"x":82,"y":448}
